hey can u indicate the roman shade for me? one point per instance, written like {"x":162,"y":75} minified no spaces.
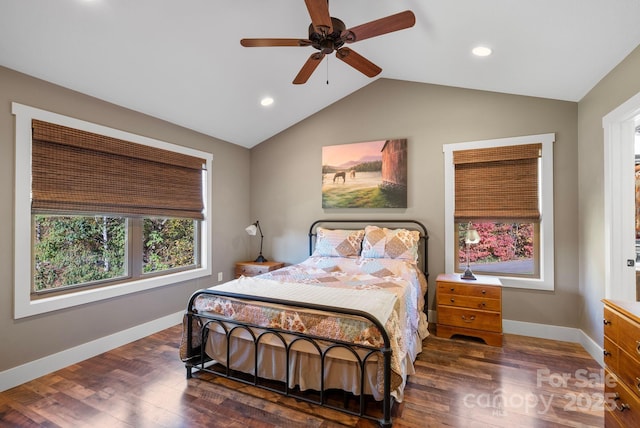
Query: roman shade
{"x":75,"y":171}
{"x":497,"y":183}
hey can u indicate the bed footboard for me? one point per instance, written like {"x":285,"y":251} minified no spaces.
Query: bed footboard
{"x":198,"y":326}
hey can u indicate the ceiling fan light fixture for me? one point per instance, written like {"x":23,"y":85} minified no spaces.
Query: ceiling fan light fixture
{"x":481,"y":51}
{"x":328,"y":34}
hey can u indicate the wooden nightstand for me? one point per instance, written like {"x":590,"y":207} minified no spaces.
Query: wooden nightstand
{"x":256,"y":268}
{"x":470,"y":308}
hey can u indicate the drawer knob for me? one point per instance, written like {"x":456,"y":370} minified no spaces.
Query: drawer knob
{"x":638,"y":383}
{"x":470,"y":319}
{"x":638,"y":346}
{"x":606,"y":322}
{"x":452,"y":289}
{"x":483,"y":304}
{"x":622,"y":406}
{"x":484,"y":291}
{"x":606,"y":353}
{"x":452,"y":300}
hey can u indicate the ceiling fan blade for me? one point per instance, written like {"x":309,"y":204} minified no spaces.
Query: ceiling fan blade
{"x":259,"y":43}
{"x":358,"y":62}
{"x":389,"y":24}
{"x":319,"y":13}
{"x":308,"y":68}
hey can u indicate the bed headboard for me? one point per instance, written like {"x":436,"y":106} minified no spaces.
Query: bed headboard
{"x":423,"y":257}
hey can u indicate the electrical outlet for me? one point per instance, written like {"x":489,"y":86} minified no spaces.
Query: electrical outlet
{"x":220,"y":276}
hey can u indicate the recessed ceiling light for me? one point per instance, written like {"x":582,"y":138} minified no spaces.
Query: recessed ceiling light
{"x":481,"y":51}
{"x":266,"y":101}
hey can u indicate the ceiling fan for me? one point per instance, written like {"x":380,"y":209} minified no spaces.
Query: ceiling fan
{"x":328,"y":34}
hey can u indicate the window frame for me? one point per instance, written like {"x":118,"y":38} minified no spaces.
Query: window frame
{"x":24,"y":305}
{"x":546,"y":238}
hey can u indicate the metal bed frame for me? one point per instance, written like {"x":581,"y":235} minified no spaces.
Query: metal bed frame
{"x":198,"y":360}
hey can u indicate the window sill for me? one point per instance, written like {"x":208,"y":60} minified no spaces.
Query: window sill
{"x":25,"y":307}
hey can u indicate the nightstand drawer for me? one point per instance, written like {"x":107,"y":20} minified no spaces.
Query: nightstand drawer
{"x":476,"y":290}
{"x":470,"y":318}
{"x":255,"y":268}
{"x":251,"y":270}
{"x":471,"y":302}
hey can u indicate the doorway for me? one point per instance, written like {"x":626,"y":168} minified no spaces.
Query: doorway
{"x":620,"y":208}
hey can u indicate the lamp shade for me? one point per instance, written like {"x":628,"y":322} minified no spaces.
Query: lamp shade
{"x":472,"y":237}
{"x":251,"y":229}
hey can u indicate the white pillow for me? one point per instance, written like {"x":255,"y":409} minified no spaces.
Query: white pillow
{"x":390,"y":243}
{"x":338,"y":242}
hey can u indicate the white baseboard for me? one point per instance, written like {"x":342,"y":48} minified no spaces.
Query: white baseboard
{"x":542,"y":331}
{"x":593,"y":348}
{"x":546,"y":331}
{"x":34,"y":369}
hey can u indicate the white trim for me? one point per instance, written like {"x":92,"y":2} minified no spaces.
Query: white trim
{"x":542,"y":331}
{"x":23,"y":305}
{"x":546,"y":281}
{"x":619,"y":244}
{"x":34,"y":369}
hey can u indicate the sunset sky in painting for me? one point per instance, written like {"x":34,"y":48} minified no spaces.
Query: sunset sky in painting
{"x":340,"y":154}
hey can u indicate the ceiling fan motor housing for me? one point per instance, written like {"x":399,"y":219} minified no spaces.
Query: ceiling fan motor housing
{"x":327,"y":43}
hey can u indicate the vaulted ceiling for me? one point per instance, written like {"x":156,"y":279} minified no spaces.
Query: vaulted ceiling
{"x":181,"y":60}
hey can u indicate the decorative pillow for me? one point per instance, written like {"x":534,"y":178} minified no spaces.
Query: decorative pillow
{"x":390,"y":243}
{"x":338,"y":242}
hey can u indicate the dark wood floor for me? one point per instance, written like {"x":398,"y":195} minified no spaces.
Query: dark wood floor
{"x":459,"y":383}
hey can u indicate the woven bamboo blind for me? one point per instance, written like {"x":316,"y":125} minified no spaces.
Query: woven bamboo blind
{"x":497,"y":183}
{"x":79,"y":171}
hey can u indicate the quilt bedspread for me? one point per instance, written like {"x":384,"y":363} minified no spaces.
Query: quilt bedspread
{"x":390,"y":290}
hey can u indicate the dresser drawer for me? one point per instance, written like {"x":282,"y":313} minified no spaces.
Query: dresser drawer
{"x":611,"y":354}
{"x":629,"y":372}
{"x":470,"y":318}
{"x":622,"y":403}
{"x":611,"y":321}
{"x":628,"y":333}
{"x":479,"y":290}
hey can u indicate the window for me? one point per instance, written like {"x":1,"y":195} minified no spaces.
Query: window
{"x":504,"y":190}
{"x":102,"y":213}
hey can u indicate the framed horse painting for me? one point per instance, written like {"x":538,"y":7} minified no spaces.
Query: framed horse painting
{"x":371,"y":174}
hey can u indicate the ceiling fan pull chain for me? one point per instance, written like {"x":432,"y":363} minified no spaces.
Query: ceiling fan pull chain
{"x":327,"y":69}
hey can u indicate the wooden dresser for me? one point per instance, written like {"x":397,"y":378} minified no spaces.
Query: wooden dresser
{"x":622,"y":360}
{"x":255,"y":268}
{"x":470,"y":308}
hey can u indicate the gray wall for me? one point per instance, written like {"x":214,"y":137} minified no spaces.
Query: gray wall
{"x":28,"y":339}
{"x":286,"y":171}
{"x":622,"y":83}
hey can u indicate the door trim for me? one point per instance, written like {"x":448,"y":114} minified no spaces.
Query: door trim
{"x":619,"y":211}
